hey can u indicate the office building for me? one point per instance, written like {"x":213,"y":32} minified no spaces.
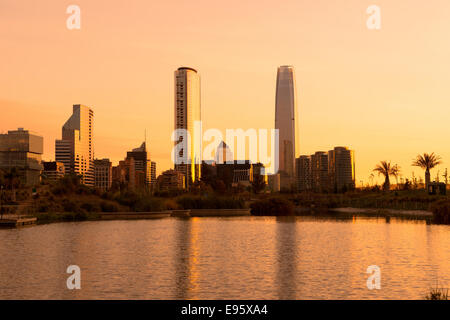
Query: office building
{"x":142,"y":164}
{"x":152,"y":173}
{"x":188,"y":119}
{"x":53,"y":170}
{"x":103,"y":174}
{"x":124,"y":174}
{"x":286,"y":124}
{"x":76,"y":147}
{"x":22,"y":149}
{"x":171,"y":180}
{"x":341,"y":166}
{"x":223,"y":153}
{"x":319,"y":171}
{"x":304,"y":175}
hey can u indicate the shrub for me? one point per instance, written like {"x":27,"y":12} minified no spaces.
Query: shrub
{"x":128,"y":198}
{"x":272,"y":207}
{"x":198,"y":202}
{"x":91,"y":207}
{"x":43,"y":207}
{"x":70,"y":206}
{"x":109,"y":207}
{"x":437,"y":294}
{"x":148,"y":205}
{"x":441,"y":211}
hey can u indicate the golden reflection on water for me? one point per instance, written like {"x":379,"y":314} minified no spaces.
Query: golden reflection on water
{"x":226,"y":258}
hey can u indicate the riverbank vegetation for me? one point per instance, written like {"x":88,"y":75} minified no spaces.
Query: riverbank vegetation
{"x":67,"y":200}
{"x":398,"y":199}
{"x":272,"y":207}
{"x":441,"y":211}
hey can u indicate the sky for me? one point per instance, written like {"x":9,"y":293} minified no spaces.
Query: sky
{"x":383,"y":93}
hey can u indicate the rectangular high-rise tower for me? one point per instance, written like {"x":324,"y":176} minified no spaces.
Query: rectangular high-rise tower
{"x":188,"y":117}
{"x":286,"y":123}
{"x":341,"y":164}
{"x":76,"y":148}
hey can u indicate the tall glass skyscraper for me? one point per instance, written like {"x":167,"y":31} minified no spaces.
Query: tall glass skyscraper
{"x":286,"y":122}
{"x":76,"y":149}
{"x":188,"y":117}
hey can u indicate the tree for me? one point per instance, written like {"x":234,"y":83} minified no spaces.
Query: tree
{"x":427,"y":162}
{"x":220,"y":187}
{"x":386,"y":169}
{"x":258,"y":183}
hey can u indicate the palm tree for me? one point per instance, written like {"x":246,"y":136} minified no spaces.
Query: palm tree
{"x":427,"y":162}
{"x":386,"y":169}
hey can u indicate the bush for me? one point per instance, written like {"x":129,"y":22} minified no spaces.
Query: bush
{"x":198,"y":202}
{"x":437,"y":294}
{"x":70,"y":206}
{"x":441,"y":211}
{"x":148,"y":205}
{"x":109,"y":207}
{"x":272,"y":207}
{"x":128,"y":198}
{"x":43,"y":207}
{"x":91,"y":207}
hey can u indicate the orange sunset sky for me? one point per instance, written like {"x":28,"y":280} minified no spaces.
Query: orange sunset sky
{"x":384,"y":93}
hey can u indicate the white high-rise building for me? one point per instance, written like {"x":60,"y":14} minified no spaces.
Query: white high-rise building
{"x":223,"y":154}
{"x":188,"y":117}
{"x":76,"y":149}
{"x":287,"y":123}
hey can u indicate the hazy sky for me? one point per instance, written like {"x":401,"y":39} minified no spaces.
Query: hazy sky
{"x":384,"y":93}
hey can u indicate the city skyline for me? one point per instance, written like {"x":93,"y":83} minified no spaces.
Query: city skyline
{"x":382,"y":93}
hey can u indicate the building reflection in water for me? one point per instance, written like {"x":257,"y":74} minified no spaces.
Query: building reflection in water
{"x":186,"y":258}
{"x":287,"y":251}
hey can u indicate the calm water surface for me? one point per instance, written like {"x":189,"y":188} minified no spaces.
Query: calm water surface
{"x":225,"y":258}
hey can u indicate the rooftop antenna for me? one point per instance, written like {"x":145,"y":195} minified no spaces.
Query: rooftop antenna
{"x":145,"y":138}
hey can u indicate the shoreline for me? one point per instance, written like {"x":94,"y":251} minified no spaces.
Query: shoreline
{"x":299,"y":211}
{"x":385,"y":212}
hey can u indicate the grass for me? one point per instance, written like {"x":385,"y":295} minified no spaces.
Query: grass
{"x":437,"y":294}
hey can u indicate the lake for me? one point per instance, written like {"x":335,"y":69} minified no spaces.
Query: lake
{"x":225,"y":258}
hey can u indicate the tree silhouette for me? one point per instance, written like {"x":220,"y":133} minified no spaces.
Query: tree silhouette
{"x":258,"y":183}
{"x":386,"y":169}
{"x":427,"y":162}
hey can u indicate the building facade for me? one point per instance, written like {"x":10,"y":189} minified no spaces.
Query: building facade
{"x":319,"y":171}
{"x":188,"y":152}
{"x":332,"y":171}
{"x":53,"y":170}
{"x":76,"y":147}
{"x":286,"y":123}
{"x":22,"y":149}
{"x":223,"y":153}
{"x":142,"y":163}
{"x":124,"y":174}
{"x":341,"y":166}
{"x":171,"y":180}
{"x":103,"y":174}
{"x":152,"y":173}
{"x":304,"y":175}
